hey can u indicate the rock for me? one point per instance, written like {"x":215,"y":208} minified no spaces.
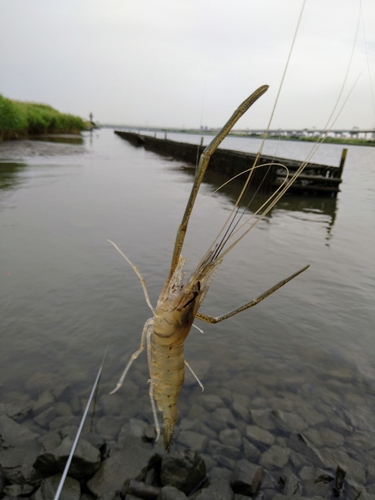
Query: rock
{"x":133,"y":427}
{"x":17,"y":410}
{"x":2,"y":479}
{"x":251,"y":452}
{"x":45,"y":400}
{"x":263,"y":419}
{"x":185,"y":470}
{"x":48,"y":488}
{"x":275,"y":456}
{"x":316,"y":481}
{"x":85,"y":462}
{"x":221,"y":418}
{"x":289,"y":422}
{"x":109,"y":427}
{"x":45,"y":417}
{"x":216,"y":448}
{"x":125,"y":462}
{"x":290,"y":484}
{"x":361,"y":440}
{"x":219,"y":487}
{"x":192,"y":440}
{"x":339,"y":480}
{"x":231,"y":437}
{"x":17,"y":462}
{"x":14,"y":434}
{"x":246,"y":478}
{"x":15,"y":490}
{"x":257,"y":434}
{"x":171,"y":493}
{"x":140,"y":489}
{"x":61,"y":422}
{"x":211,"y":401}
{"x":63,"y":409}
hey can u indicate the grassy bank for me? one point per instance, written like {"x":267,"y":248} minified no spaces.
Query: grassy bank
{"x":24,"y":119}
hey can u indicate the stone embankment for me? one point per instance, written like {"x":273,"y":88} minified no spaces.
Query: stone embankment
{"x":231,"y":443}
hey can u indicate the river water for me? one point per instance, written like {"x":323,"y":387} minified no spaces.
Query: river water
{"x":66,"y":295}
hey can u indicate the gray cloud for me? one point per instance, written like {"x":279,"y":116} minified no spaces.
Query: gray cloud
{"x":188,"y":62}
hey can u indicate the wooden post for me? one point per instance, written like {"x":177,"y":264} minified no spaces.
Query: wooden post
{"x":342,"y":161}
{"x":165,"y":135}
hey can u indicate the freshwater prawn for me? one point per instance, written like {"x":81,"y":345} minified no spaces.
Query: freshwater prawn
{"x":179,"y":302}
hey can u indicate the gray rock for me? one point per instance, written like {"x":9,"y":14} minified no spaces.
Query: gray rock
{"x":310,"y":415}
{"x":61,"y":422}
{"x":251,"y":452}
{"x":133,"y":427}
{"x":15,"y":490}
{"x":111,"y":495}
{"x":85,"y":462}
{"x":109,"y":427}
{"x":48,"y":488}
{"x":216,"y":448}
{"x":361,"y":440}
{"x":211,"y":401}
{"x":17,"y":410}
{"x":231,"y":437}
{"x":316,"y":481}
{"x":263,"y":419}
{"x":63,"y":409}
{"x":257,"y":434}
{"x":14,"y":434}
{"x":185,"y":470}
{"x":111,"y":404}
{"x":221,"y":418}
{"x":291,"y":484}
{"x":125,"y":462}
{"x":17,"y":462}
{"x":246,"y":478}
{"x":219,"y":487}
{"x":45,"y":417}
{"x":192,"y":440}
{"x":140,"y":489}
{"x":197,"y":412}
{"x":289,"y":422}
{"x":2,"y":479}
{"x":275,"y":456}
{"x":45,"y":400}
{"x":223,"y":461}
{"x":333,"y":439}
{"x":171,"y":493}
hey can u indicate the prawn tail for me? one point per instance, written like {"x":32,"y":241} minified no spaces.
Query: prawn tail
{"x":169,"y":426}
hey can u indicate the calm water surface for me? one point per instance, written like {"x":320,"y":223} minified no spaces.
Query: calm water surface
{"x":66,"y":294}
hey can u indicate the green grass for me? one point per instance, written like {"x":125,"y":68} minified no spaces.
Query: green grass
{"x":24,"y":119}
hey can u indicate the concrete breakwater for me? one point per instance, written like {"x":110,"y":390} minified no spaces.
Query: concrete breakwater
{"x":316,"y":179}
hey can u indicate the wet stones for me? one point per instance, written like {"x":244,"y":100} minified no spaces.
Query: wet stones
{"x":246,"y":478}
{"x":185,"y":470}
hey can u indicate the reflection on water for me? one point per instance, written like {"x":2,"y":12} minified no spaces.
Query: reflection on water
{"x":321,"y":210}
{"x":66,"y":295}
{"x":9,"y":174}
{"x":60,"y":138}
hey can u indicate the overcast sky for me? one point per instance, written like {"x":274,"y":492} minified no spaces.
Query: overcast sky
{"x":186,"y":63}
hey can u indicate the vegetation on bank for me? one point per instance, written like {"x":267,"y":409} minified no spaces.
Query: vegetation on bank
{"x":24,"y":119}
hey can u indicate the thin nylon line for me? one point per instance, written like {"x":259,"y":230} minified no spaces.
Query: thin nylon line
{"x":67,"y":465}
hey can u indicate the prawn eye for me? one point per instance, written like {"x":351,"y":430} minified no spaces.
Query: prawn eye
{"x":195,"y":294}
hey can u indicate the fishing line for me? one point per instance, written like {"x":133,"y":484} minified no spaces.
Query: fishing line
{"x":228,"y":227}
{"x":368,"y":62}
{"x":71,"y":454}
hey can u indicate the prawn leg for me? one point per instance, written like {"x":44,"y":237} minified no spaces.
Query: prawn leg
{"x":211,"y":319}
{"x":151,"y":390}
{"x":146,"y":331}
{"x":194,"y":375}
